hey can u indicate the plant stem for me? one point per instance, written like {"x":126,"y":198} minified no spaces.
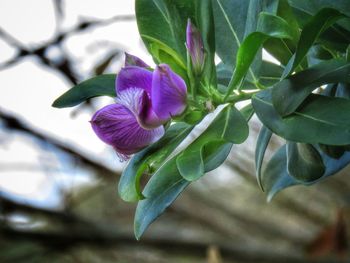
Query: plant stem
{"x":239,"y":97}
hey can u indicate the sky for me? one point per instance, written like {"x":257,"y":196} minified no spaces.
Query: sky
{"x":28,"y":89}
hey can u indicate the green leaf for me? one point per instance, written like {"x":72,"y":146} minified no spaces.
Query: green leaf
{"x":304,"y":162}
{"x":164,"y":22}
{"x":234,"y":20}
{"x":215,"y":153}
{"x":224,"y":74}
{"x":167,"y":182}
{"x":313,"y":6}
{"x":161,"y":190}
{"x":230,"y":17}
{"x":320,"y":119}
{"x":285,"y":11}
{"x":228,"y":127}
{"x":166,"y":185}
{"x":205,"y":23}
{"x":334,"y":165}
{"x":288,"y":94}
{"x":103,"y":85}
{"x":269,"y":75}
{"x":275,"y":177}
{"x":283,"y":49}
{"x":247,"y":112}
{"x":341,"y":90}
{"x":261,"y":146}
{"x":150,"y":159}
{"x":311,"y":31}
{"x":332,"y":151}
{"x":317,"y":54}
{"x":270,"y":26}
{"x":163,"y":54}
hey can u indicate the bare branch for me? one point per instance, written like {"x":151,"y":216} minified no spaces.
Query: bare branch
{"x":13,"y":123}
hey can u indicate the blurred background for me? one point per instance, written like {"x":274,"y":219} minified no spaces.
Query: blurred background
{"x":58,"y":198}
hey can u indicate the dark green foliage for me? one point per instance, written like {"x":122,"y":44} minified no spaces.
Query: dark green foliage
{"x":103,"y":85}
{"x":304,"y":99}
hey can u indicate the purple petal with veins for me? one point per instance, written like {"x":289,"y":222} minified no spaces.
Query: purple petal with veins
{"x":131,"y":60}
{"x":139,"y":103}
{"x":134,"y":77}
{"x":116,"y":125}
{"x":168,"y":93}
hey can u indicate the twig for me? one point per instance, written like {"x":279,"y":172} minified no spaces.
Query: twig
{"x":14,"y":123}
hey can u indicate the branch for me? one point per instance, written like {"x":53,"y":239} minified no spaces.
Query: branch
{"x":11,"y":122}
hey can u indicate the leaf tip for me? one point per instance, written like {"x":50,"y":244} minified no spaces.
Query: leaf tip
{"x":138,"y":231}
{"x":56,"y":104}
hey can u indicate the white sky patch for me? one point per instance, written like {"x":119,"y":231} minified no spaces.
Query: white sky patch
{"x":6,"y":51}
{"x":30,"y":21}
{"x":28,"y":89}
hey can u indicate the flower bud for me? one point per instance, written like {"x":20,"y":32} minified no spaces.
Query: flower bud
{"x":195,"y":48}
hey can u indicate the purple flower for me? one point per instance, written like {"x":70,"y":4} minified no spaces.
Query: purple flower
{"x":195,"y":48}
{"x":131,"y":60}
{"x":145,"y":101}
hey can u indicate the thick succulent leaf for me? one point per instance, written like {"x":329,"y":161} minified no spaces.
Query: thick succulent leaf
{"x":165,"y":186}
{"x":167,"y":183}
{"x":261,"y":146}
{"x":285,"y":11}
{"x":161,"y":190}
{"x":215,"y":153}
{"x":304,"y":162}
{"x":311,"y":31}
{"x":103,"y":85}
{"x":282,"y":49}
{"x":320,"y":119}
{"x":341,"y":90}
{"x":275,"y":177}
{"x":317,"y":54}
{"x":288,"y":94}
{"x":269,"y":26}
{"x":334,"y":165}
{"x":224,"y":74}
{"x":337,"y":36}
{"x":150,"y":159}
{"x":164,"y":22}
{"x":228,"y":127}
{"x":247,"y":112}
{"x":333,"y":151}
{"x":269,"y":75}
{"x":313,"y":6}
{"x":162,"y":26}
{"x":230,"y":17}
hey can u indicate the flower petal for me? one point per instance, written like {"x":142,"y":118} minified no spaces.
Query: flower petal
{"x":116,"y":125}
{"x":139,"y":103}
{"x":168,"y":93}
{"x":131,"y":60}
{"x":134,"y":77}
